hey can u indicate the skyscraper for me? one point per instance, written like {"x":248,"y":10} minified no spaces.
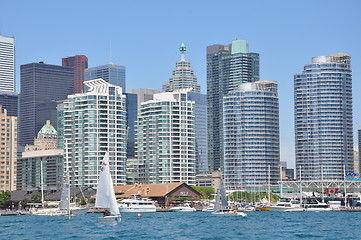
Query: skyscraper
{"x":183,"y":76}
{"x":79,"y":63}
{"x":166,"y":138}
{"x":227,"y":67}
{"x":251,"y":135}
{"x":144,"y":94}
{"x":113,"y":74}
{"x":94,"y":123}
{"x":323,"y":118}
{"x":41,"y":86}
{"x":9,"y":101}
{"x":7,"y":64}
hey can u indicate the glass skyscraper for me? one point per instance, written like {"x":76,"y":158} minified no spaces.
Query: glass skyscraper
{"x":7,"y":64}
{"x":323,"y":118}
{"x":251,"y":135}
{"x":95,"y":122}
{"x":227,"y":67}
{"x":113,"y":74}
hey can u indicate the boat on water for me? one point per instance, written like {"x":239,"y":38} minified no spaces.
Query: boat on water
{"x":184,"y":208}
{"x":312,"y":205}
{"x":105,"y":197}
{"x":221,"y":206}
{"x":285,"y":204}
{"x":137,"y":205}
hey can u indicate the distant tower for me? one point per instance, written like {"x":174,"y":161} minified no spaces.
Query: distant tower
{"x":7,"y":64}
{"x":323,"y":118}
{"x":183,"y":76}
{"x":79,"y":63}
{"x":113,"y":74}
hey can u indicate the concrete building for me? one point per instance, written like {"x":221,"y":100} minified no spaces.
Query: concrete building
{"x":166,"y":138}
{"x":8,"y":150}
{"x":94,"y":123}
{"x":7,"y":64}
{"x":323,"y":118}
{"x":144,"y":94}
{"x":251,"y":135}
{"x":227,"y":67}
{"x":113,"y":74}
{"x":79,"y":63}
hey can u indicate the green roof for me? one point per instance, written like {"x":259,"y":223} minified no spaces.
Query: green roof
{"x":47,"y":129}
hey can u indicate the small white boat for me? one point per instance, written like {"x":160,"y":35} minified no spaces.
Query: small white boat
{"x":184,"y":208}
{"x":285,"y":204}
{"x":313,"y":205}
{"x":137,"y":205}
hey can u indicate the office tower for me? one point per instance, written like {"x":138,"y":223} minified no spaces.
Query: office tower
{"x":166,"y":138}
{"x":9,"y":101}
{"x":144,"y":94}
{"x":7,"y":64}
{"x":132,"y":115}
{"x":41,"y":86}
{"x":113,"y":74}
{"x":227,"y":67}
{"x":79,"y":63}
{"x":45,"y":152}
{"x":323,"y":118}
{"x":8,"y":151}
{"x":183,"y":76}
{"x":251,"y":135}
{"x":94,"y":123}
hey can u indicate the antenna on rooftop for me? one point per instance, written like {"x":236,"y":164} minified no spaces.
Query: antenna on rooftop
{"x":110,"y":52}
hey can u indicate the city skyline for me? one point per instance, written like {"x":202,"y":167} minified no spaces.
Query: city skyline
{"x":285,"y":37}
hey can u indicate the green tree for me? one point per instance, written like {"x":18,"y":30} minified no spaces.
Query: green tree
{"x":4,"y":198}
{"x":207,"y":192}
{"x":82,"y":201}
{"x":36,"y":197}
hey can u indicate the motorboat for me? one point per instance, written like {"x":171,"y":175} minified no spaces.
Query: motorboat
{"x":137,"y":205}
{"x":313,"y":205}
{"x":184,"y":208}
{"x":285,"y":204}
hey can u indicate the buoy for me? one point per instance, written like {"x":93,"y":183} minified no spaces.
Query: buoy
{"x":139,"y":215}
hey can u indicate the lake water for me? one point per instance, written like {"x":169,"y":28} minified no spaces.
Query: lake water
{"x":192,"y":225}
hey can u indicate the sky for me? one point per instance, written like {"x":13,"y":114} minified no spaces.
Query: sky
{"x":144,"y":36}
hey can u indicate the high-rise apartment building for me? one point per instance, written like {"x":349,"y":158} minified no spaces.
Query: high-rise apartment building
{"x":113,"y":74}
{"x":79,"y":63}
{"x":183,"y":76}
{"x":251,"y":135}
{"x":94,"y":123}
{"x":227,"y":67}
{"x":166,"y":138}
{"x":323,"y":118}
{"x":132,"y":115}
{"x":7,"y":64}
{"x":144,"y":94}
{"x":41,"y":86}
{"x":8,"y":151}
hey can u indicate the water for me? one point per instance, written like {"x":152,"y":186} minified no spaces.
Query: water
{"x":187,"y":226}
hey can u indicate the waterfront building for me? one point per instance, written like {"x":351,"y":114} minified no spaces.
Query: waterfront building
{"x":136,"y":171}
{"x":132,"y":115}
{"x":183,"y":76}
{"x":165,"y":136}
{"x":323,"y":118}
{"x":7,"y":64}
{"x":144,"y":94}
{"x":9,"y":101}
{"x":113,"y":74}
{"x":356,"y":156}
{"x":45,"y":152}
{"x":94,"y":123}
{"x":79,"y":63}
{"x":251,"y":135}
{"x":227,"y":67}
{"x":8,"y":151}
{"x":41,"y":86}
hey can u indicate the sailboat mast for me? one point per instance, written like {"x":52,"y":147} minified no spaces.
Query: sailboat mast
{"x":42,"y":183}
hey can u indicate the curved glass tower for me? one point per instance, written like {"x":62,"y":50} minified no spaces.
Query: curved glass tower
{"x":323,"y":118}
{"x":251,"y":135}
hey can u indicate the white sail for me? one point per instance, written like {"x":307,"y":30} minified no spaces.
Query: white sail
{"x":65,"y":201}
{"x":105,"y":197}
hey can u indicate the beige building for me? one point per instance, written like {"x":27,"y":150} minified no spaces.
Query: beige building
{"x":8,"y":150}
{"x":47,"y":139}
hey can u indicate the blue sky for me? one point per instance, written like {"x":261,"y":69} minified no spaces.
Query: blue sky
{"x":145,"y":36}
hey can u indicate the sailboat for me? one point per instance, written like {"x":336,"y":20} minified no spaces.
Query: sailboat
{"x":105,"y":197}
{"x":221,"y":204}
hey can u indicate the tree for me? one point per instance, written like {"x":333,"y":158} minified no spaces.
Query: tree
{"x":207,"y":192}
{"x":36,"y":197}
{"x":82,"y":201}
{"x":4,"y":199}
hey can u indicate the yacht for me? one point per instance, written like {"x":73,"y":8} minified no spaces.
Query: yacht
{"x":184,"y":208}
{"x":285,"y":204}
{"x":137,"y":205}
{"x":313,"y":205}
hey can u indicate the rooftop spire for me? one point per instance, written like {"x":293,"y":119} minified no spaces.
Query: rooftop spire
{"x":182,"y":49}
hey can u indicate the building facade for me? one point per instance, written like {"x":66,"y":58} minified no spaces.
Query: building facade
{"x":183,"y":76}
{"x":323,"y":118}
{"x":227,"y":67}
{"x":9,"y":101}
{"x":144,"y":94}
{"x":8,"y":150}
{"x":166,"y":138}
{"x":7,"y":64}
{"x":113,"y":74}
{"x":41,"y":86}
{"x":94,"y":123}
{"x":251,"y":135}
{"x":132,"y":115}
{"x":79,"y":63}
